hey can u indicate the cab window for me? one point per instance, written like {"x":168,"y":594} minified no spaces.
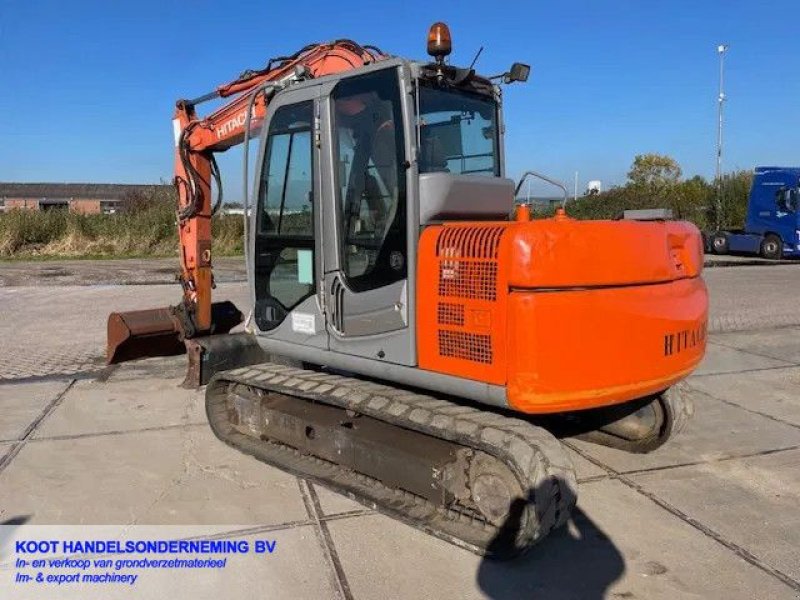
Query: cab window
{"x":787,"y":199}
{"x":284,"y":257}
{"x":286,"y":187}
{"x":370,"y":155}
{"x":458,"y":132}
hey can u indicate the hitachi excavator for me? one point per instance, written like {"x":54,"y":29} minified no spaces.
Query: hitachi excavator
{"x":413,"y":330}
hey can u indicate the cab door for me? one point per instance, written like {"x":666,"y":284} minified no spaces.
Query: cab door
{"x":286,"y":236}
{"x":366,"y":231}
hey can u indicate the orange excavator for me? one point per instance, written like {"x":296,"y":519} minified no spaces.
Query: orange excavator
{"x":415,"y":339}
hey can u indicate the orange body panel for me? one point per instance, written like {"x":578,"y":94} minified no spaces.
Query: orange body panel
{"x":581,"y":314}
{"x":587,"y":348}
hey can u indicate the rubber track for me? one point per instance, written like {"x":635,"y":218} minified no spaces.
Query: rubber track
{"x":681,"y":406}
{"x":536,"y":457}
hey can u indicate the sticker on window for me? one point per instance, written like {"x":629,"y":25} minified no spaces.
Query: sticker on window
{"x":305,"y":266}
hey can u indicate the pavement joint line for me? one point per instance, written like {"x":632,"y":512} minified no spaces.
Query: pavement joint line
{"x":710,"y":461}
{"x":593,"y":479}
{"x":108,"y":371}
{"x":767,"y":329}
{"x":78,"y":436}
{"x":350,"y":514}
{"x":704,"y":529}
{"x":314,"y":510}
{"x":742,"y":371}
{"x":759,"y":354}
{"x":750,"y":410}
{"x":31,"y":429}
{"x":76,"y":375}
{"x":221,"y":535}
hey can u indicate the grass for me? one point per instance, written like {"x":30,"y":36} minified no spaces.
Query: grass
{"x":146,"y":232}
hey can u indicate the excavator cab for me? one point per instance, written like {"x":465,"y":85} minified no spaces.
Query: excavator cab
{"x":343,"y":167}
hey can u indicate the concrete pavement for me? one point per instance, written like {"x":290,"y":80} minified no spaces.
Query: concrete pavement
{"x":711,"y":515}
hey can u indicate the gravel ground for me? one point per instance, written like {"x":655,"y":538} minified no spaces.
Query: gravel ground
{"x":128,"y":271}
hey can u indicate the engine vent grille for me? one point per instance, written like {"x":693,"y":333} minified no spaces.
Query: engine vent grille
{"x":468,"y":262}
{"x":472,"y":280}
{"x":469,"y":242}
{"x":450,"y":314}
{"x":467,"y":289}
{"x":468,"y":346}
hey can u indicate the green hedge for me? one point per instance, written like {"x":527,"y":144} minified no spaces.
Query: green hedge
{"x":693,"y":200}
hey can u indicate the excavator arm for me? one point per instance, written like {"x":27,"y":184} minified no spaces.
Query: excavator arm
{"x":159,"y":332}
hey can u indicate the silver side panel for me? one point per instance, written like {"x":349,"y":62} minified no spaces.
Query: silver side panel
{"x":453,"y":386}
{"x":446,"y":197}
{"x":305,"y":324}
{"x":386,"y":313}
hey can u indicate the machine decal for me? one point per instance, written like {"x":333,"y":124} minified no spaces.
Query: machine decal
{"x":677,"y":342}
{"x":304,"y":323}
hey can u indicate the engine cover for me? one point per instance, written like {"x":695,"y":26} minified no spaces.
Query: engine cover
{"x":566,"y":314}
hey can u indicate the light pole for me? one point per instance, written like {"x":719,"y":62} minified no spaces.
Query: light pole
{"x":721,"y":49}
{"x":575,"y":190}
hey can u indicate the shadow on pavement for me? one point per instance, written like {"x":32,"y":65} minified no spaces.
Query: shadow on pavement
{"x":576,"y":561}
{"x":7,"y":529}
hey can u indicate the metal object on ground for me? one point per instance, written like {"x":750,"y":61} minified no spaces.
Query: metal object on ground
{"x":495,"y":485}
{"x":160,"y":331}
{"x":641,"y":427}
{"x":209,"y":354}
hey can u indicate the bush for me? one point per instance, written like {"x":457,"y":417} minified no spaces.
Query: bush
{"x":691,"y":199}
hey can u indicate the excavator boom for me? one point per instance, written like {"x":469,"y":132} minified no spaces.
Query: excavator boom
{"x":161,"y":331}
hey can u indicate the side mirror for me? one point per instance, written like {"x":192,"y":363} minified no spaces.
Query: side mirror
{"x":518,"y":72}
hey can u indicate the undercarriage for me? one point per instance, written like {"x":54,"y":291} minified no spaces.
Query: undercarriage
{"x":491,"y":483}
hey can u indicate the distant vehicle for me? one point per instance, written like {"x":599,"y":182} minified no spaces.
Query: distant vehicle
{"x":772,"y":228}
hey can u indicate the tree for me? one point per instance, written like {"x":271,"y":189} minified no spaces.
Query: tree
{"x":654,"y":171}
{"x":735,"y":195}
{"x":692,"y":201}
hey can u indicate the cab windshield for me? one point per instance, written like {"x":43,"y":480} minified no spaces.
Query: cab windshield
{"x":457,"y":132}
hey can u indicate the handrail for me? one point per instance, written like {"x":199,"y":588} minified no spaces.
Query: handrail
{"x":554,"y":182}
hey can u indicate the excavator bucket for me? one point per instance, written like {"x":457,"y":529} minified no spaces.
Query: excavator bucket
{"x":158,"y":331}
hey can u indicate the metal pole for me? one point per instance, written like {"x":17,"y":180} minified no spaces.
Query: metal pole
{"x":575,"y":191}
{"x":721,"y":49}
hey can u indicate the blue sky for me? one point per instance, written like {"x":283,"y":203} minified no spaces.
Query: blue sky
{"x":89,"y":87}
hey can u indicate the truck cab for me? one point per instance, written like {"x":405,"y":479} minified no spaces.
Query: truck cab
{"x":772,"y":227}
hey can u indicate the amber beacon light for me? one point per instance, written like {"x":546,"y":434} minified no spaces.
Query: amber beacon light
{"x":439,"y":41}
